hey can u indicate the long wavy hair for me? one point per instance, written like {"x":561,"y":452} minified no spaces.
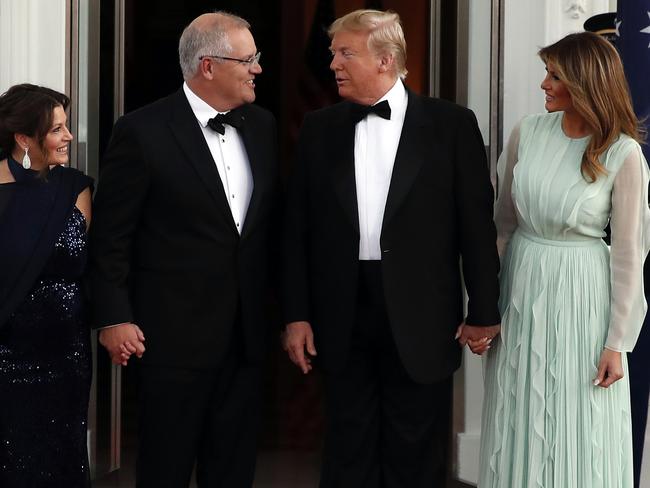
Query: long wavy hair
{"x":592,"y":72}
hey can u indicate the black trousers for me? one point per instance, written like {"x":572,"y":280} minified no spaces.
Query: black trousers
{"x":208,"y":417}
{"x":383,"y":430}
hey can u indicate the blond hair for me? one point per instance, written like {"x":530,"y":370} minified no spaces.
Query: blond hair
{"x":385,"y":34}
{"x":592,"y":72}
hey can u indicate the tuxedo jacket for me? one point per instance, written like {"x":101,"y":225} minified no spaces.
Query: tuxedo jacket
{"x":438,"y":215}
{"x":165,"y":252}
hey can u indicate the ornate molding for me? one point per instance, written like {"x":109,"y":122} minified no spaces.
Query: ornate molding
{"x":575,"y":9}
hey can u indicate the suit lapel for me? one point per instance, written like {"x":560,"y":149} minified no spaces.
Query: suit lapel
{"x":189,"y":137}
{"x":409,"y":157}
{"x":342,"y":157}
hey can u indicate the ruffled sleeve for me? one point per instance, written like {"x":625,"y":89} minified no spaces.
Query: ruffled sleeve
{"x":505,"y":217}
{"x":630,"y":226}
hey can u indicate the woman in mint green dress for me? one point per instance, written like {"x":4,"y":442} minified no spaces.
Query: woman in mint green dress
{"x":557,"y":409}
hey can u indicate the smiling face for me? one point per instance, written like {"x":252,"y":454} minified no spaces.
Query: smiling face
{"x":233,"y":82}
{"x":357,"y":69}
{"x":558,"y":97}
{"x":55,"y":147}
{"x":57,"y":141}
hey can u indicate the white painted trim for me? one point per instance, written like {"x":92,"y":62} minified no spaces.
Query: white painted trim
{"x":468,"y":448}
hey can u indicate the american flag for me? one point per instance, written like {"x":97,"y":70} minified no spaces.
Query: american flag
{"x":633,"y":28}
{"x":633,"y":43}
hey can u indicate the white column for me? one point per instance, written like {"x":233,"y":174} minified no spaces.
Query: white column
{"x":32,"y":43}
{"x":468,"y":381}
{"x":468,"y":439}
{"x":478,"y":66}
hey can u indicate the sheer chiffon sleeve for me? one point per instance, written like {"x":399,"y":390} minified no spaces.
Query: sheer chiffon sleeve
{"x":630,"y":220}
{"x":505,"y":217}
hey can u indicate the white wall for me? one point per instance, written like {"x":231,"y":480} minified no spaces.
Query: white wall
{"x":32,"y":43}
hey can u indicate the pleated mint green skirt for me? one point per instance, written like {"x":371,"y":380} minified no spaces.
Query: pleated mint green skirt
{"x":544,"y":423}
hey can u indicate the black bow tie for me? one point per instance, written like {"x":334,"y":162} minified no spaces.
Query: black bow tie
{"x":232,"y":118}
{"x":360,"y":112}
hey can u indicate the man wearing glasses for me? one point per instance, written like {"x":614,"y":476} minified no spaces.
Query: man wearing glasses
{"x":179,"y":247}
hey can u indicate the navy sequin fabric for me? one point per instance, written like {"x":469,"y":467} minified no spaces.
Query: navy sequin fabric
{"x":45,"y":373}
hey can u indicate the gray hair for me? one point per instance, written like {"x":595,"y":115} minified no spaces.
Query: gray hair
{"x":385,"y":34}
{"x":207,"y":37}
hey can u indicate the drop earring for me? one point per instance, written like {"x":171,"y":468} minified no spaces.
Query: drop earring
{"x":27,"y":162}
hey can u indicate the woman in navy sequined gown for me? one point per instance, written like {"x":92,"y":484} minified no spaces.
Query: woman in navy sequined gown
{"x":45,"y":356}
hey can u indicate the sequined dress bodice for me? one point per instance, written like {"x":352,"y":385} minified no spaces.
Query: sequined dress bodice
{"x":56,"y":297}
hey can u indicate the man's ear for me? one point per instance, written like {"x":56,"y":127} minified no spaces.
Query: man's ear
{"x":206,"y":68}
{"x":386,"y":62}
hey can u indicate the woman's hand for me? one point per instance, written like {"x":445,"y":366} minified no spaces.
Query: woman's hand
{"x":480,"y":346}
{"x":478,"y":338}
{"x":610,"y":368}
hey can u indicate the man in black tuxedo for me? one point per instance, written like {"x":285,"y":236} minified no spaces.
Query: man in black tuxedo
{"x":179,"y":246}
{"x":390,"y":190}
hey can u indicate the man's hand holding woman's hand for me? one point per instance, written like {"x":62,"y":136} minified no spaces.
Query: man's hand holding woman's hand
{"x":476,"y":337}
{"x":121,"y":341}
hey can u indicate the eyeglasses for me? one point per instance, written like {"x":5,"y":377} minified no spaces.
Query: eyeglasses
{"x":255,"y":59}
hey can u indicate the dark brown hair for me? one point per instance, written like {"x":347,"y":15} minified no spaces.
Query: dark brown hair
{"x":27,"y":109}
{"x":592,"y":72}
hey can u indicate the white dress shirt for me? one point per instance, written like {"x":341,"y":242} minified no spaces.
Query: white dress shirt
{"x":375,"y":147}
{"x":229,"y":154}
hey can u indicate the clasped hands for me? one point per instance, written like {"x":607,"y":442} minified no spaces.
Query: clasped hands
{"x":121,"y":341}
{"x":478,"y":338}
